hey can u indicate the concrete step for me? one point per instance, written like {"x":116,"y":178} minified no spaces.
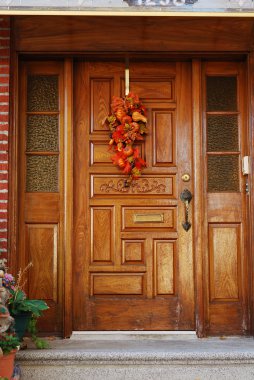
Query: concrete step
{"x":149,"y":359}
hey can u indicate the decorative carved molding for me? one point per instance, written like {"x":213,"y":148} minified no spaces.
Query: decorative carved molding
{"x":140,"y":186}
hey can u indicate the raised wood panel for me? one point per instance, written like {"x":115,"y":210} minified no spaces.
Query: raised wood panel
{"x":224,"y":250}
{"x":120,"y":284}
{"x":42,"y":251}
{"x":148,"y":217}
{"x":112,"y":185}
{"x":102,"y":219}
{"x":156,"y":88}
{"x":133,"y":251}
{"x":100,"y":154}
{"x":100,"y":34}
{"x":225,"y":208}
{"x":164,"y":252}
{"x":42,"y":207}
{"x":163,"y":138}
{"x":101,"y":94}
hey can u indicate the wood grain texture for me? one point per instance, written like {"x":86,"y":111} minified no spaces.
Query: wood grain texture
{"x":199,"y":216}
{"x":55,"y":34}
{"x":226,"y":218}
{"x":224,"y":243}
{"x":164,"y":138}
{"x":42,"y":249}
{"x":164,"y":264}
{"x":41,"y":214}
{"x":118,"y":284}
{"x":67,"y":200}
{"x":250,"y":204}
{"x":132,"y":251}
{"x":130,"y":221}
{"x":102,"y":238}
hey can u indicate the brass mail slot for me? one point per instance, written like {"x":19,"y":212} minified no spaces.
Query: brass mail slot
{"x":148,"y":218}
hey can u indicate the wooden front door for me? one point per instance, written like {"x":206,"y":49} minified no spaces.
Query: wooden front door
{"x":133,"y":260}
{"x":133,"y":264}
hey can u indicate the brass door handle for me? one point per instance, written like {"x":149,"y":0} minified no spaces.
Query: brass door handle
{"x":186,"y":198}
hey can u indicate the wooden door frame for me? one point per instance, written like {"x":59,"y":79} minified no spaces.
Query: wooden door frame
{"x":198,"y":201}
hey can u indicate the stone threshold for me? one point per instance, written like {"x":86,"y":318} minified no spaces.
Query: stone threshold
{"x":174,"y":359}
{"x":132,"y":335}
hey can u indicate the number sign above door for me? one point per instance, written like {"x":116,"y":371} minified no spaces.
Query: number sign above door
{"x":169,"y":6}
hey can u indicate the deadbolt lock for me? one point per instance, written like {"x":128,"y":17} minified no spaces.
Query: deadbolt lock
{"x":186,"y":177}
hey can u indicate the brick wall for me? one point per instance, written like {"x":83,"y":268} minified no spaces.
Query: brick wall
{"x":4,"y":127}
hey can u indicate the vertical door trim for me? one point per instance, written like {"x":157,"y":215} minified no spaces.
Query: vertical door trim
{"x":250,"y":110}
{"x":68,"y":198}
{"x":198,"y":199}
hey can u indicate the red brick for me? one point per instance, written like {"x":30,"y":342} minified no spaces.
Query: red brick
{"x":3,"y":186}
{"x":4,"y":52}
{"x":4,"y":117}
{"x":4,"y":108}
{"x":4,"y":98}
{"x":4,"y":33}
{"x":4,"y":80}
{"x":3,"y":147}
{"x":4,"y":60}
{"x":4,"y":69}
{"x":3,"y":244}
{"x":3,"y":235}
{"x":3,"y":196}
{"x":4,"y":89}
{"x":4,"y":42}
{"x":3,"y":225}
{"x":3,"y":166}
{"x":4,"y":207}
{"x":3,"y":177}
{"x":5,"y":22}
{"x":4,"y":127}
{"x":3,"y":156}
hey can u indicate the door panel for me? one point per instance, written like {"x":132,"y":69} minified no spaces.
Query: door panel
{"x":133,"y":261}
{"x":41,"y":186}
{"x":225,"y":137}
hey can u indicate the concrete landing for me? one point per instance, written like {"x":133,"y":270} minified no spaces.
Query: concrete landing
{"x":174,"y":359}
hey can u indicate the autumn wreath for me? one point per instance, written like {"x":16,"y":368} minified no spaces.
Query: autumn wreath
{"x":127,"y":124}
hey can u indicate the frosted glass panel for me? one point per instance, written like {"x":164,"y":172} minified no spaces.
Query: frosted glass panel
{"x":42,"y":174}
{"x":42,"y":93}
{"x":222,"y":133}
{"x":221,"y":93}
{"x":42,"y":133}
{"x":223,"y":173}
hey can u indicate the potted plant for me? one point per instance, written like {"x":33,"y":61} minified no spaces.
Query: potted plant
{"x":9,"y":344}
{"x":25,"y":311}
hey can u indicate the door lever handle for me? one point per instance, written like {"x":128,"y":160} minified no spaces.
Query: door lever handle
{"x":186,"y":198}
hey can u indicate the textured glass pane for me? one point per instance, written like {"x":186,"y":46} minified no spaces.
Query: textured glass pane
{"x":42,"y":173}
{"x":42,"y":133}
{"x":221,"y":93}
{"x":222,"y":133}
{"x":223,"y":173}
{"x":42,"y":93}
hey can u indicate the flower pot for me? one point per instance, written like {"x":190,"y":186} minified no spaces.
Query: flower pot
{"x":21,"y":323}
{"x":7,"y":365}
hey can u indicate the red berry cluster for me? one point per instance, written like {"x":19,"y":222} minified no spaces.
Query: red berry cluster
{"x":127,"y":124}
